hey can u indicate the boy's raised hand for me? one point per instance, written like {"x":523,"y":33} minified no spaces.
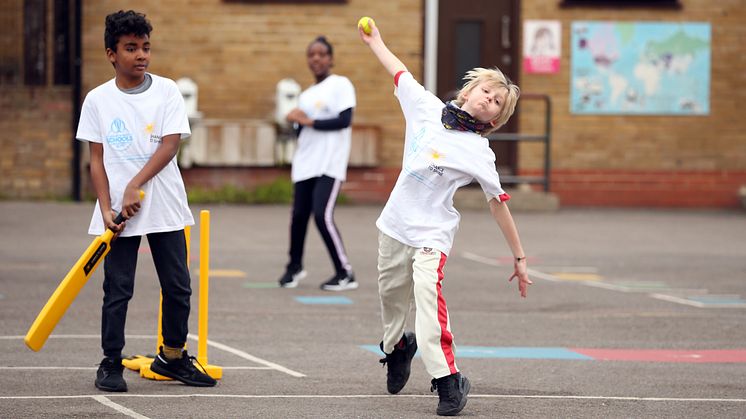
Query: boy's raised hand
{"x":374,"y":33}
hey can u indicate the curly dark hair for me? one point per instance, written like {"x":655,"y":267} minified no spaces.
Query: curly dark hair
{"x":321,"y":39}
{"x":125,"y":23}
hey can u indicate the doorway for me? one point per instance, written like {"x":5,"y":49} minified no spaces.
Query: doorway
{"x":479,"y":33}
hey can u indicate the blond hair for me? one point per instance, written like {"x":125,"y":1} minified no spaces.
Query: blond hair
{"x":496,"y":78}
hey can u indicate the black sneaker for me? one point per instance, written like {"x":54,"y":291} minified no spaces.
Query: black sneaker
{"x":182,"y":369}
{"x":452,"y":391}
{"x":291,"y":277}
{"x":340,"y":282}
{"x":109,"y":375}
{"x":399,"y":362}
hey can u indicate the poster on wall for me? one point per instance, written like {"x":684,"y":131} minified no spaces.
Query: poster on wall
{"x":645,"y":68}
{"x":542,"y":43}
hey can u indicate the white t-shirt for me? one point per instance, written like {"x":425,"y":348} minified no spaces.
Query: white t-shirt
{"x":437,"y":161}
{"x":131,"y":127}
{"x":324,"y":152}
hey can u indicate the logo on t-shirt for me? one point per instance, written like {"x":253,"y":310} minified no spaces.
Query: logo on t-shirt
{"x":436,"y":156}
{"x":154,"y":138}
{"x":118,"y":137}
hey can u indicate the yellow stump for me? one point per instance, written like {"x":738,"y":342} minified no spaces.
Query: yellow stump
{"x":204,"y":285}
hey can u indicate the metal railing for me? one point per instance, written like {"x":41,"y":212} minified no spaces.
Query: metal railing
{"x":545,"y":138}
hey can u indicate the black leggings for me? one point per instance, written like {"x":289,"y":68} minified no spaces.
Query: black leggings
{"x":317,"y":195}
{"x":169,"y":256}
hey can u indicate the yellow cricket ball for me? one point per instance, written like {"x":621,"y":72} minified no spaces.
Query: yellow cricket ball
{"x":365,"y":22}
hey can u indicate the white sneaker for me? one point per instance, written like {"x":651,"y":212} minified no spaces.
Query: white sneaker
{"x":340,"y":283}
{"x":290,"y":279}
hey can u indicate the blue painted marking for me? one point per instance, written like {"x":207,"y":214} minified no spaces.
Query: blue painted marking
{"x":323,"y":300}
{"x":503,"y":352}
{"x":717,"y":299}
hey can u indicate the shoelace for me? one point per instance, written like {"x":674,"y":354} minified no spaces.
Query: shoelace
{"x":190,"y":360}
{"x":444,"y":391}
{"x":109,"y":366}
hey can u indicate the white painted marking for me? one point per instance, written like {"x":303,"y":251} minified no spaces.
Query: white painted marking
{"x":77,"y":337}
{"x":48,"y":368}
{"x":482,"y":259}
{"x":249,"y":357}
{"x":614,"y":287}
{"x":699,"y":304}
{"x":381,"y":396}
{"x":234,"y":351}
{"x":493,"y":262}
{"x":569,"y":269}
{"x":118,"y":407}
{"x":674,"y":299}
{"x":95,"y":368}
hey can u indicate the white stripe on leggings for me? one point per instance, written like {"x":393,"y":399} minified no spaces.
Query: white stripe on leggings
{"x":328,"y":220}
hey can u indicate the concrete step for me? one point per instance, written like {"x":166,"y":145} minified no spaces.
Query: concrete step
{"x":522,"y":198}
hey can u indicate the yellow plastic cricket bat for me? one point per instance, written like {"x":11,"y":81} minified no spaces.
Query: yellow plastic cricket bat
{"x":69,"y":288}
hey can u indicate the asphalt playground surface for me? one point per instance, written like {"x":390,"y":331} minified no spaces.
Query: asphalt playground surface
{"x":633,"y":313}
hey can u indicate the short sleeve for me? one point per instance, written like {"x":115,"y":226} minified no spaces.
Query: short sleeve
{"x":412,"y":95}
{"x":175,"y":120}
{"x":488,"y":178}
{"x":89,"y":128}
{"x":345,"y":95}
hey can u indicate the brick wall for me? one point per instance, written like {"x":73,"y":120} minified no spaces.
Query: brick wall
{"x":35,"y":127}
{"x":35,"y":138}
{"x":646,"y":160}
{"x":236,"y":52}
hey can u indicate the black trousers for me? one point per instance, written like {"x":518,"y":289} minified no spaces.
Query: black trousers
{"x":170,"y":259}
{"x":318,"y":196}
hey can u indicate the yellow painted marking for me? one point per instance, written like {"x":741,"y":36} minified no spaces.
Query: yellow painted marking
{"x":227,"y":273}
{"x":574,"y":276}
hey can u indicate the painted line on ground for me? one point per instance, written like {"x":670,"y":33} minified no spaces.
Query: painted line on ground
{"x":702,"y":356}
{"x":250,"y":357}
{"x":335,"y":300}
{"x":226,"y":273}
{"x":260,"y":285}
{"x":492,"y":262}
{"x":577,"y":276}
{"x":382,"y":396}
{"x":118,"y":407}
{"x":696,"y":298}
{"x":218,"y":345}
{"x":482,"y":352}
{"x":95,"y":368}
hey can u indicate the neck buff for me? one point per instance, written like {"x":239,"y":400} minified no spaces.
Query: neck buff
{"x":458,"y":119}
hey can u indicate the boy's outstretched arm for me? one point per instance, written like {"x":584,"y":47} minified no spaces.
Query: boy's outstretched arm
{"x":392,"y":64}
{"x":501,"y":214}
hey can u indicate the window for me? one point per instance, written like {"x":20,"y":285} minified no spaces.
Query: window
{"x":671,"y":4}
{"x":34,"y":41}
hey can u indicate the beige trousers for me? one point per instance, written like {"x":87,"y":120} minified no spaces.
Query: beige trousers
{"x":405,"y":272}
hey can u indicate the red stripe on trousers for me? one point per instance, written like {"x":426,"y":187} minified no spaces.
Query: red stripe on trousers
{"x":446,"y":338}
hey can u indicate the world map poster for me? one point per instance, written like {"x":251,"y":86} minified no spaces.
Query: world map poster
{"x":646,"y":68}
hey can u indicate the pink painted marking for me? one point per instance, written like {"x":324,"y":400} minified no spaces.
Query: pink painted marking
{"x":666,"y":355}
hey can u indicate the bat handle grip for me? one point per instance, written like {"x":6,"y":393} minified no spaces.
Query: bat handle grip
{"x":119,"y":218}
